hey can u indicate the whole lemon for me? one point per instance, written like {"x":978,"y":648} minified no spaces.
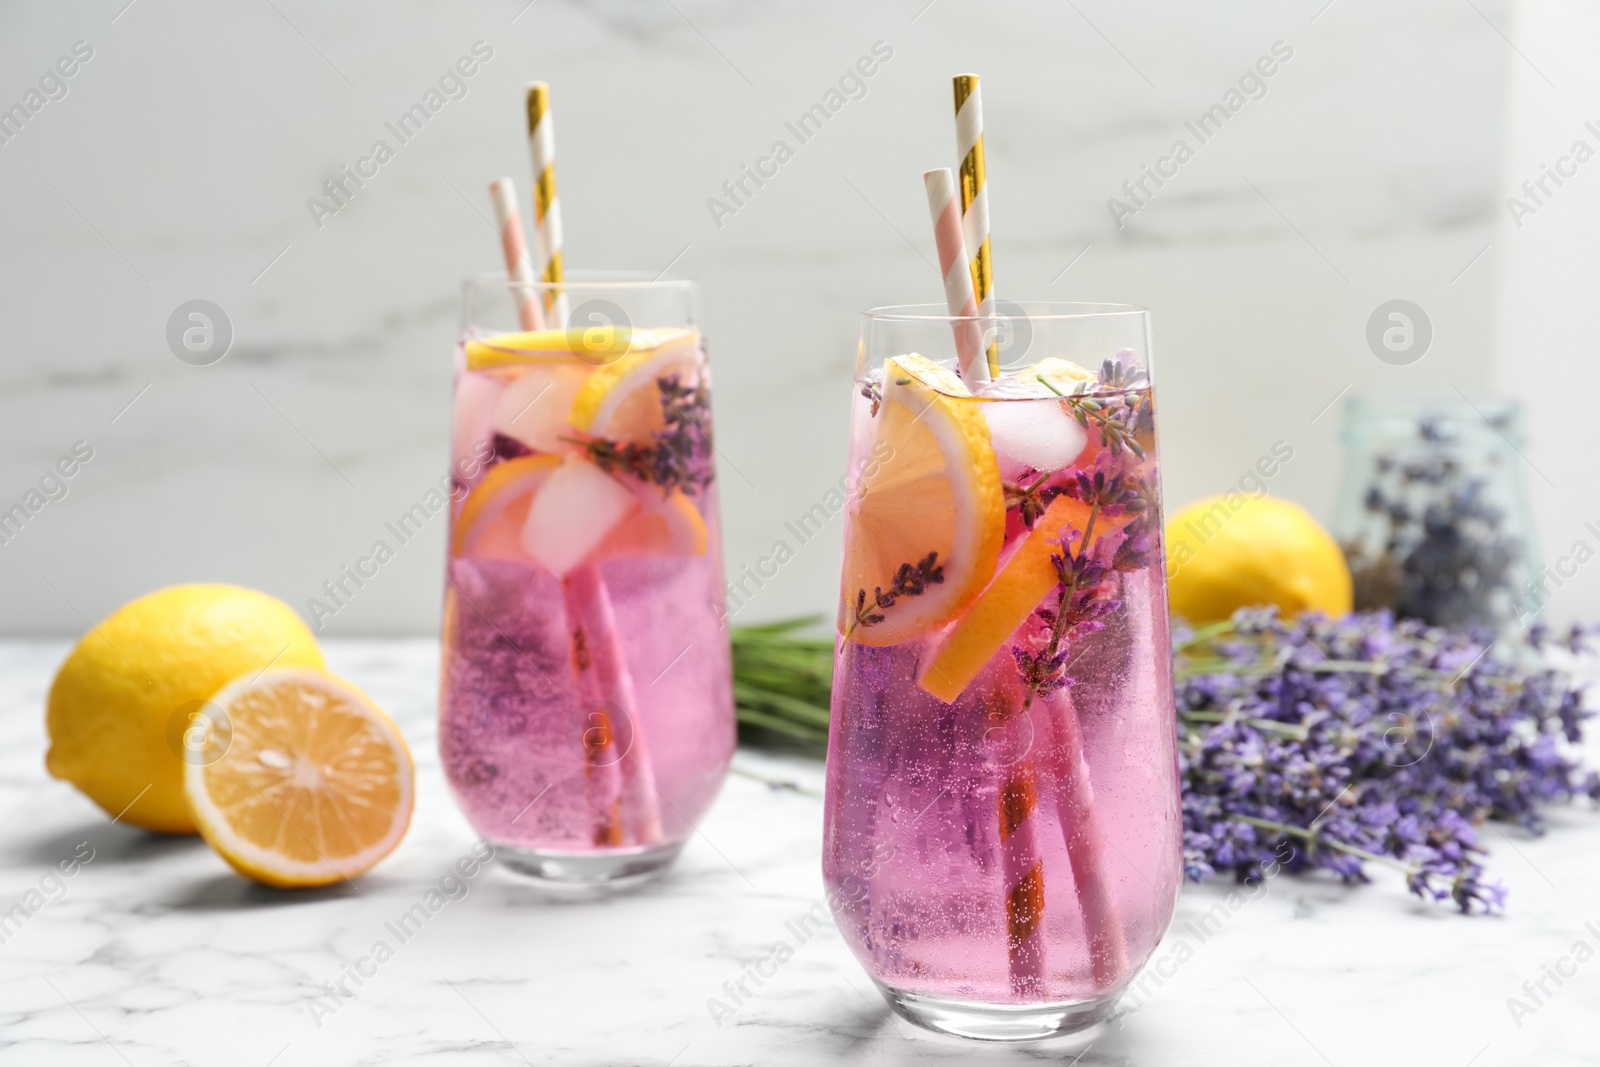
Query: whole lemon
{"x":122,"y":705}
{"x":1234,"y":551}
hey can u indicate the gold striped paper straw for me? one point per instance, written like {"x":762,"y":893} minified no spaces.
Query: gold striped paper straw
{"x":546,"y":206}
{"x":975,"y":201}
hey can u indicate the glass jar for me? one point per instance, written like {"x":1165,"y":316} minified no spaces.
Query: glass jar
{"x":1432,"y":512}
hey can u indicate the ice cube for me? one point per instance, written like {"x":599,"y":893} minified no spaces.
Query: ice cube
{"x":572,"y":513}
{"x":533,"y":409}
{"x":476,"y":396}
{"x":1012,"y":387}
{"x":1034,"y":434}
{"x":1051,"y":376}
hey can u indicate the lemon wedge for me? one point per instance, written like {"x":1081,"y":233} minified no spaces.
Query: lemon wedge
{"x":1021,"y":586}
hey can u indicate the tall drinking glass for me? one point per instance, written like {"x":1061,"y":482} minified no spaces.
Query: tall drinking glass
{"x":586,"y":718}
{"x":1003,"y":840}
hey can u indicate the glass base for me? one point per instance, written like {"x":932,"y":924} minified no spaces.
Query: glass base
{"x":999,"y":1022}
{"x":577,"y":871}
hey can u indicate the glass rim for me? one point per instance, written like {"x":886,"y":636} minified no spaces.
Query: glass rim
{"x":1486,"y":419}
{"x":1430,"y":400}
{"x":583,"y":280}
{"x":1053,"y":310}
{"x":1386,"y":407}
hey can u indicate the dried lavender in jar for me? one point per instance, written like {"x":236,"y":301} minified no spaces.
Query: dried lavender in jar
{"x":1433,"y":518}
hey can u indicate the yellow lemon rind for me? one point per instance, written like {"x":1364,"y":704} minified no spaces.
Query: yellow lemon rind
{"x":1264,"y":551}
{"x":117,"y":703}
{"x":595,"y":345}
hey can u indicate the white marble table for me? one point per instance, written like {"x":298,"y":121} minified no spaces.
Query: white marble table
{"x":156,"y":953}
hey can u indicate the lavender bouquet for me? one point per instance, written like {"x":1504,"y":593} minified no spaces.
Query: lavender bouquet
{"x":1369,"y":740}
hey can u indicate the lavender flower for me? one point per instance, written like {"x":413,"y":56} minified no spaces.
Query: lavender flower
{"x":1368,"y":740}
{"x":678,"y":456}
{"x":1118,"y":404}
{"x":910,"y":579}
{"x":1088,"y":578}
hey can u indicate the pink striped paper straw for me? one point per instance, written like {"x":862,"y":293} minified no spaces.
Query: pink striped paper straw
{"x":1021,"y":862}
{"x":945,"y":207}
{"x":1108,"y":951}
{"x":605,"y":680}
{"x":519,"y":268}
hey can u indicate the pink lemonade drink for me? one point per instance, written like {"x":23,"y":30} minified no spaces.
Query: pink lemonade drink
{"x":1003,"y":844}
{"x":586,"y":718}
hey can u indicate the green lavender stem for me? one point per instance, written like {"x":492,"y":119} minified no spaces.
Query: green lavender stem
{"x":782,"y":680}
{"x":1314,"y":839}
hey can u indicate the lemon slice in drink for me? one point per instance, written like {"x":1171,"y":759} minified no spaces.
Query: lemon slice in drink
{"x":494,"y":513}
{"x":663,"y":527}
{"x":932,"y":488}
{"x":623,"y":401}
{"x":1060,"y":376}
{"x":598,"y":346}
{"x":301,"y":779}
{"x":1022,"y":586}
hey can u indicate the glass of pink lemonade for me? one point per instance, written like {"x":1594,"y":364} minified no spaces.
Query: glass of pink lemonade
{"x":586,"y":718}
{"x":1003,"y":844}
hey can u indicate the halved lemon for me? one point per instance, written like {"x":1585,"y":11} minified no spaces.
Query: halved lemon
{"x":934,"y":489}
{"x":621,"y":401}
{"x":301,"y":780}
{"x":1021,"y":586}
{"x":595,"y":345}
{"x":494,"y":513}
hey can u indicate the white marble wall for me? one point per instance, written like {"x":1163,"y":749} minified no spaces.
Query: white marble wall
{"x":178,"y":164}
{"x":1546,"y":240}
